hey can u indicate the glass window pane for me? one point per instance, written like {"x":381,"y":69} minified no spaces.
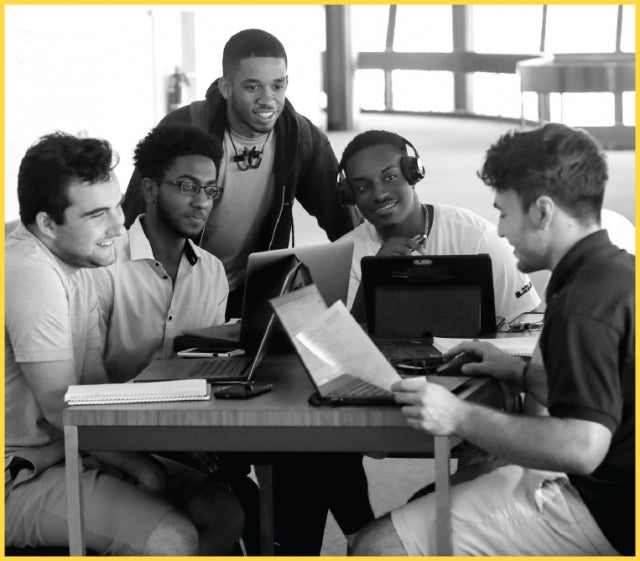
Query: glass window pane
{"x":595,"y":33}
{"x":423,"y":29}
{"x":418,"y":90}
{"x":628,"y":39}
{"x":369,"y":28}
{"x":583,"y":109}
{"x":486,"y":100}
{"x":500,"y":29}
{"x":369,"y":89}
{"x":629,"y":109}
{"x":530,"y":106}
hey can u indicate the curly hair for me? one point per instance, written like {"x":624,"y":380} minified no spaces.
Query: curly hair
{"x":250,"y":43}
{"x":51,"y":164}
{"x":561,"y":162}
{"x":156,"y":152}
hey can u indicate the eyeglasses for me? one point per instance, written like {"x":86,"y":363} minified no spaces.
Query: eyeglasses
{"x":191,"y":188}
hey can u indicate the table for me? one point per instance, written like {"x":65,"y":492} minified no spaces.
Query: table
{"x":279,"y":421}
{"x":613,"y":72}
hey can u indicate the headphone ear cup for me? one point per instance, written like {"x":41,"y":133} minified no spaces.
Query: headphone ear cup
{"x":412,"y":169}
{"x":345,"y":194}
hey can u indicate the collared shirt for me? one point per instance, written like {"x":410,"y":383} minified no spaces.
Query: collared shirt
{"x":588,"y":348}
{"x":141,"y":310}
{"x":49,"y":316}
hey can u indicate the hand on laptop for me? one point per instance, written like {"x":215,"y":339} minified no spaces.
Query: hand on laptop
{"x":401,"y":246}
{"x":490,"y":361}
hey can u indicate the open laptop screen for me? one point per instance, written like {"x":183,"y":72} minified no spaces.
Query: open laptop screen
{"x":443,"y":296}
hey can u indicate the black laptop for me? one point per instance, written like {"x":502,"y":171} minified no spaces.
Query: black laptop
{"x":429,"y":296}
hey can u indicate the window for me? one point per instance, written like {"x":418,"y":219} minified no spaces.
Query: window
{"x":423,"y":29}
{"x":628,"y":39}
{"x":596,"y":32}
{"x":583,"y":109}
{"x":369,"y":89}
{"x":496,"y":94}
{"x":369,"y":28}
{"x":415,"y":90}
{"x":506,"y":29}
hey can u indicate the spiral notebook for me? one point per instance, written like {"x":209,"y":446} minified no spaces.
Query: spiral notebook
{"x":104,"y":394}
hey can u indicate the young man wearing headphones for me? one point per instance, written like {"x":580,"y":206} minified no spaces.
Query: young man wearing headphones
{"x":378,"y":176}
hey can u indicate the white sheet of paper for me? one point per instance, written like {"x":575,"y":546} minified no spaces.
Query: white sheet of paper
{"x":294,"y":311}
{"x":337,"y":339}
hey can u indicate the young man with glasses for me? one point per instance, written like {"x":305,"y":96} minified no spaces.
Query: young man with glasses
{"x":162,"y":283}
{"x":156,"y":289}
{"x":272,"y":156}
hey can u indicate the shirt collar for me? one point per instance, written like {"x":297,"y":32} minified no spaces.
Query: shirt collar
{"x":573,"y":260}
{"x":140,"y":248}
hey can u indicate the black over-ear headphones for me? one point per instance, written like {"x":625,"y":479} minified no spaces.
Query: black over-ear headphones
{"x":410,"y":166}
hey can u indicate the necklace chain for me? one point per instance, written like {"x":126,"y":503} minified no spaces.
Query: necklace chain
{"x":253,"y":157}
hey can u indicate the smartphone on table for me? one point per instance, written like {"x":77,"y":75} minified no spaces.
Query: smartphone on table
{"x":203,"y":352}
{"x":241,"y":391}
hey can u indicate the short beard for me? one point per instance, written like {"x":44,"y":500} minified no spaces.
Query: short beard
{"x":170,"y":223}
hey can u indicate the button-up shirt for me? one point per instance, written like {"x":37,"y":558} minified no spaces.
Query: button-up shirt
{"x":142,"y":310}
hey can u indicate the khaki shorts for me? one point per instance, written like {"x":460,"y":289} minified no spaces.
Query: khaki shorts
{"x":118,"y":517}
{"x":509,"y":511}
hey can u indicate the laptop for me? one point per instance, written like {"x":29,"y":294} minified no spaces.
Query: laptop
{"x":334,"y":386}
{"x":429,"y":296}
{"x":329,"y":265}
{"x":227,"y":370}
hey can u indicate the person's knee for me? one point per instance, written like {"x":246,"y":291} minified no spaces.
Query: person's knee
{"x":173,"y":535}
{"x":215,"y":499}
{"x":378,"y":538}
{"x":216,"y":509}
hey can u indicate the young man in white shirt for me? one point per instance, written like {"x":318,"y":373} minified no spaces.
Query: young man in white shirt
{"x":379,"y":178}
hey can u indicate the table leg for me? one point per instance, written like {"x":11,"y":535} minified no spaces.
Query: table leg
{"x":264,"y":475}
{"x":74,"y":491}
{"x":442,"y":455}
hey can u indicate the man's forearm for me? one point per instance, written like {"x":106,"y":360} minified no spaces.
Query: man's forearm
{"x":547,"y":443}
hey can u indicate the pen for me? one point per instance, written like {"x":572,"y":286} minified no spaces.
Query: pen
{"x":420,"y":239}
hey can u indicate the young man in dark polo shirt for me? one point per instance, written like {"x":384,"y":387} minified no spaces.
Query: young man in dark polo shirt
{"x":570,"y":485}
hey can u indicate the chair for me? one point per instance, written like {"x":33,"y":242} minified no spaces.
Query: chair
{"x":621,"y":231}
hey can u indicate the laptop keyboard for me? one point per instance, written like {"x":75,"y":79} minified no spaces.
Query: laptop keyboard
{"x":228,"y":368}
{"x":359,"y":388}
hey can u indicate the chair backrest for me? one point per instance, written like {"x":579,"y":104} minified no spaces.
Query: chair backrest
{"x":621,"y":231}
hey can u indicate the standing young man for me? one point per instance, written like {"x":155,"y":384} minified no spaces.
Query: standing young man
{"x":272,"y":156}
{"x":71,"y":218}
{"x":570,"y":485}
